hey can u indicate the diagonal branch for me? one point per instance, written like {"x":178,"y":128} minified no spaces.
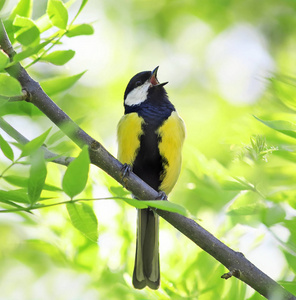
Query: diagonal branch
{"x":237,"y":264}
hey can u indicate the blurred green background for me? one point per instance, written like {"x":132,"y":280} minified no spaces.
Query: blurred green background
{"x":226,"y":62}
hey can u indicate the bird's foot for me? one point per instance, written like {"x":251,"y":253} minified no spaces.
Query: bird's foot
{"x":161,"y":196}
{"x":125,"y":171}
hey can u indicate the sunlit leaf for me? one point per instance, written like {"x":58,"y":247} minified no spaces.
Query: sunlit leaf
{"x":23,"y":9}
{"x":23,"y":182}
{"x":118,"y":191}
{"x":59,"y":84}
{"x":37,"y":177}
{"x":285,"y":88}
{"x":44,"y":23}
{"x":135,"y":203}
{"x":35,"y":144}
{"x":291,"y":259}
{"x":57,"y":136}
{"x":163,"y":205}
{"x":84,"y":219}
{"x":27,"y":33}
{"x":289,"y":285}
{"x":19,"y":196}
{"x":2,"y":2}
{"x":80,"y":29}
{"x":167,"y":205}
{"x":286,"y":154}
{"x":291,"y":227}
{"x":284,"y":127}
{"x":30,"y":51}
{"x":57,"y":13}
{"x":273,"y":215}
{"x":59,"y":57}
{"x":233,"y":185}
{"x":76,"y":175}
{"x":6,"y":149}
{"x":83,"y":3}
{"x":4,"y":60}
{"x":9,"y":86}
{"x":3,"y":101}
{"x":247,"y":203}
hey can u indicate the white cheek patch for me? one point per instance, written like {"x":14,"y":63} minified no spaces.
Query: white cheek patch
{"x":138,"y":94}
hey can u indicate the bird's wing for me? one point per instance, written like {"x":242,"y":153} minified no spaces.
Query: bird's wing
{"x":172,"y":135}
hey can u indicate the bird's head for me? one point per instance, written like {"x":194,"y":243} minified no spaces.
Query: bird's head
{"x":140,"y":86}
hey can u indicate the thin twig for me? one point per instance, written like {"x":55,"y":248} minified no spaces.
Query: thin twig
{"x":41,"y":206}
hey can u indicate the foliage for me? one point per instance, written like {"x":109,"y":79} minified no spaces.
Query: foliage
{"x":238,"y":177}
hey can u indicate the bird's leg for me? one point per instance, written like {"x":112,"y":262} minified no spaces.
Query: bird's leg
{"x":161,"y":196}
{"x":125,"y":171}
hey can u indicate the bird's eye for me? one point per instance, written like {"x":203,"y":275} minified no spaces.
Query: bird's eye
{"x":138,"y":83}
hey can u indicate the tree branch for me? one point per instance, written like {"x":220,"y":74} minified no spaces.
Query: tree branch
{"x":234,"y":261}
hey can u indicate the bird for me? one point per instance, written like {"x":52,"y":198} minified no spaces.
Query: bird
{"x":150,"y":137}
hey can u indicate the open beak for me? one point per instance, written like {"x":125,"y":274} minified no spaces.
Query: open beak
{"x":153,"y":79}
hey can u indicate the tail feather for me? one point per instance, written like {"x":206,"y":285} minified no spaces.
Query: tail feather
{"x":146,"y":270}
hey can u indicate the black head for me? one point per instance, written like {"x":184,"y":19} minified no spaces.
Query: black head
{"x":140,"y":85}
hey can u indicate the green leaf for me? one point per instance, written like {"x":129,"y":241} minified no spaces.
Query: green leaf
{"x":284,"y":88}
{"x":166,"y":205}
{"x":57,"y":136}
{"x":27,"y":33}
{"x":30,"y":51}
{"x":57,"y":13}
{"x":80,"y":29}
{"x":291,"y":259}
{"x":23,"y":182}
{"x":291,"y":226}
{"x":4,"y":60}
{"x":273,"y":215}
{"x":37,"y":177}
{"x":9,"y":86}
{"x":3,"y":101}
{"x":6,"y":149}
{"x":44,"y":23}
{"x":247,"y":203}
{"x":285,"y":127}
{"x":35,"y":144}
{"x":15,"y":195}
{"x":81,"y":8}
{"x":23,"y":9}
{"x":76,"y":175}
{"x":16,"y":180}
{"x":289,"y":285}
{"x":59,"y":84}
{"x":84,"y":219}
{"x":135,"y":203}
{"x":239,"y":185}
{"x":163,"y":205}
{"x":118,"y":191}
{"x":2,"y":2}
{"x":59,"y":57}
{"x":286,"y":154}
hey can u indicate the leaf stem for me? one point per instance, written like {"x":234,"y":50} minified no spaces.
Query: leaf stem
{"x":39,"y":206}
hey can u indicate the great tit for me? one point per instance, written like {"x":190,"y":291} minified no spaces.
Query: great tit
{"x":150,"y":138}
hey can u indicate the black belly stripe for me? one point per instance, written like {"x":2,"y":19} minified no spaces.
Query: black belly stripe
{"x":149,"y":164}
